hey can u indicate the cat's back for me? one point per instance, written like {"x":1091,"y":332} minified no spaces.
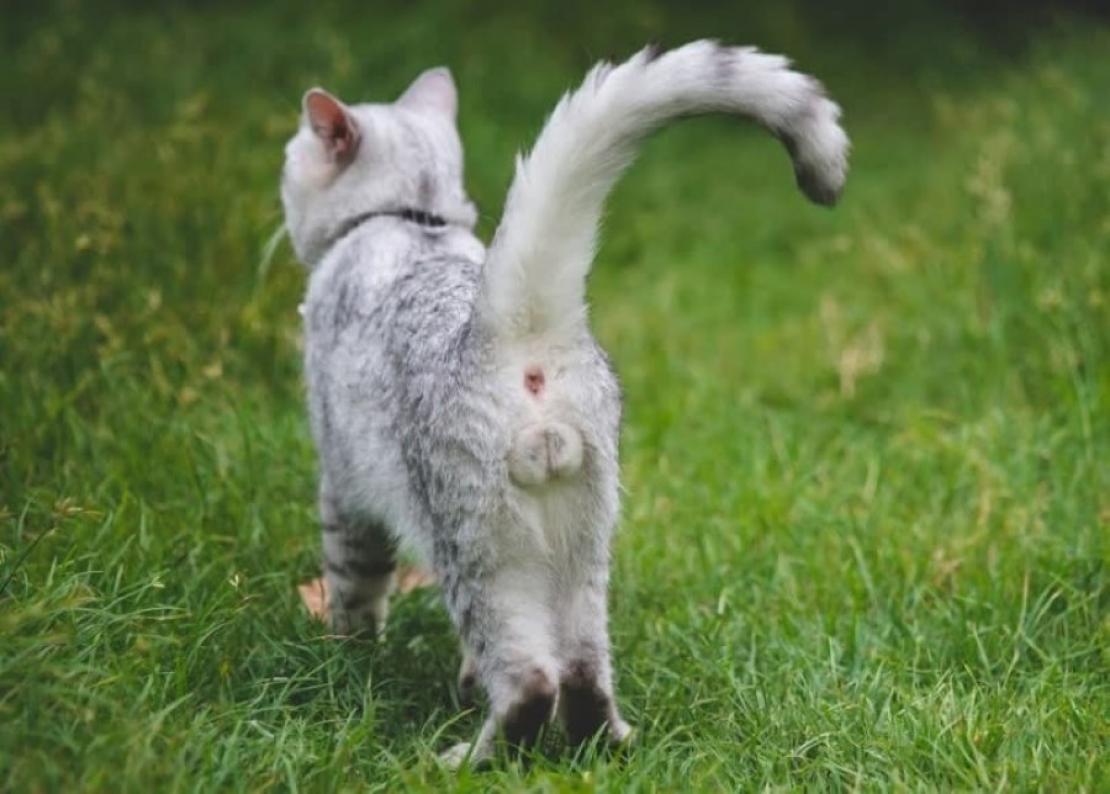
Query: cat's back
{"x":386,"y":318}
{"x":374,"y":292}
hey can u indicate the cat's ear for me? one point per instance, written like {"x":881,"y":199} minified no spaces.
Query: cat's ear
{"x":433,"y":90}
{"x":333,"y":124}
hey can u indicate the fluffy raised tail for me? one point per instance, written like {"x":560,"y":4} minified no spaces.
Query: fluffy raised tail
{"x":535,"y":273}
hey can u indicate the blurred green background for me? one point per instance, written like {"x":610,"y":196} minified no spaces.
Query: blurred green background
{"x":864,"y":542}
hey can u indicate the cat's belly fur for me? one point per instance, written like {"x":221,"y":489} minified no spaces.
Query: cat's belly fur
{"x":415,"y":412}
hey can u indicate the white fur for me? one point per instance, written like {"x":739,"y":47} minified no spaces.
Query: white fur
{"x":419,"y":349}
{"x":319,"y":193}
{"x":537,"y":265}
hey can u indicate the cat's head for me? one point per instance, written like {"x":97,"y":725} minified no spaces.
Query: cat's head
{"x":346,"y":160}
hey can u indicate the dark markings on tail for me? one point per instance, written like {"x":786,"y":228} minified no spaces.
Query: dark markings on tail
{"x":808,"y":178}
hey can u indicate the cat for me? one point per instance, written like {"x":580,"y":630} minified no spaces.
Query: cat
{"x":460,"y":406}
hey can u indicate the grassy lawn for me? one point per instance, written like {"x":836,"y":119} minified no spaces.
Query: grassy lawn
{"x":865,"y":537}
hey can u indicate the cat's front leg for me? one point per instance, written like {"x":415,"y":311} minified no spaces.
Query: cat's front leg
{"x":359,"y":565}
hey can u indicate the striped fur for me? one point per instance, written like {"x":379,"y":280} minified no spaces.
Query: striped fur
{"x":460,"y":406}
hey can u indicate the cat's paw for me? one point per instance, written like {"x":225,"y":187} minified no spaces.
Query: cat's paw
{"x":544,"y":451}
{"x":365,"y":621}
{"x":462,"y":754}
{"x":620,"y":732}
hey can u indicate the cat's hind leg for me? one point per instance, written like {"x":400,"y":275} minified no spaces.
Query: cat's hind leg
{"x":359,"y":566}
{"x":587,"y":705}
{"x":507,"y":624}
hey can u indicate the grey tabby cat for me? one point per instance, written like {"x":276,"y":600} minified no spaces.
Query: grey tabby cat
{"x":460,"y":406}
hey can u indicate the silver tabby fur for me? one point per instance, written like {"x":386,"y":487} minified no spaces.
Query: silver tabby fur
{"x":460,"y":406}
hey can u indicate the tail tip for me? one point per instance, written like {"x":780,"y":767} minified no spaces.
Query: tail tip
{"x":818,"y":185}
{"x":819,"y":150}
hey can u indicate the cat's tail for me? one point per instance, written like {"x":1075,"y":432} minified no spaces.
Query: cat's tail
{"x":535,"y":274}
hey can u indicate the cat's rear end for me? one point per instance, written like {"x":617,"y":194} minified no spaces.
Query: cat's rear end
{"x":459,"y":403}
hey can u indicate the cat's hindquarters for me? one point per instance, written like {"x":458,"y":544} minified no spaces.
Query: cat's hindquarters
{"x":543,"y":451}
{"x":562,"y":409}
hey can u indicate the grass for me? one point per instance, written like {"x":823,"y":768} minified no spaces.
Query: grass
{"x":865,"y":532}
